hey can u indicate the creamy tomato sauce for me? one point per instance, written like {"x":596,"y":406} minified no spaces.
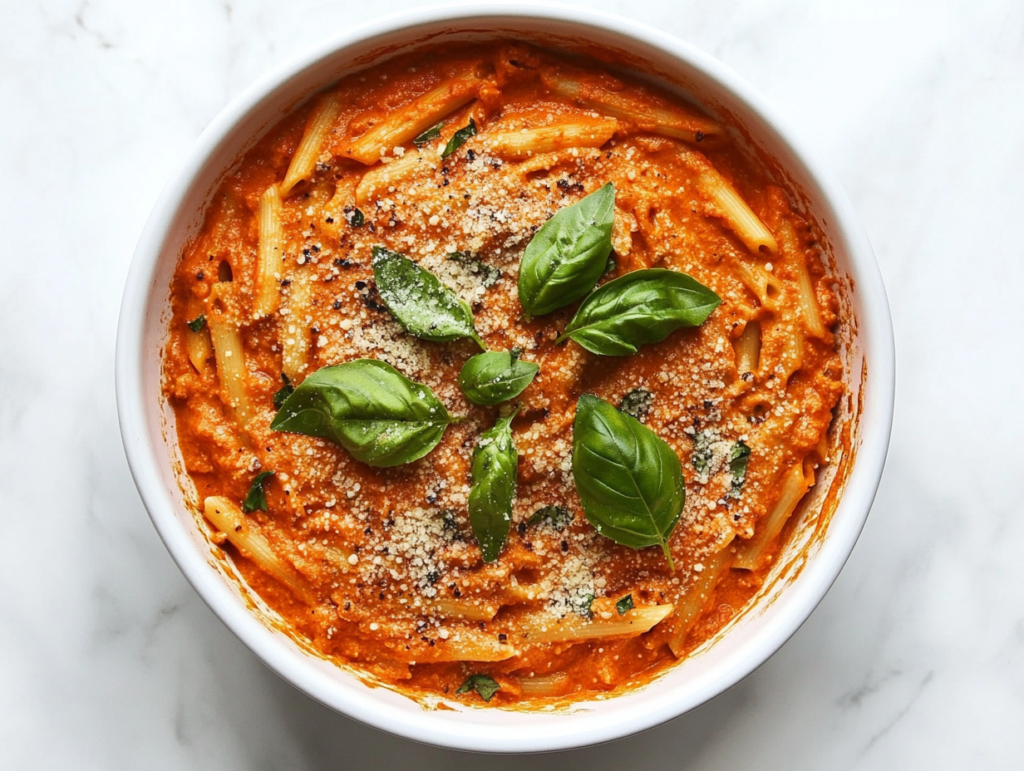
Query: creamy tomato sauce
{"x":397,"y":583}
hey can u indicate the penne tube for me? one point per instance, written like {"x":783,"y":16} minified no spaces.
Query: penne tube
{"x":748,"y":348}
{"x":688,"y":608}
{"x":228,"y":518}
{"x":294,"y":330}
{"x":379,"y":178}
{"x":765,"y":286}
{"x":544,"y":685}
{"x":541,"y":627}
{"x":270,"y":255}
{"x":466,"y":646}
{"x":795,"y":484}
{"x":467,"y":609}
{"x":810,"y":313}
{"x":741,"y":218}
{"x":791,"y":358}
{"x":198,"y":347}
{"x":564,"y":136}
{"x":408,"y":122}
{"x":304,"y":161}
{"x":666,"y":121}
{"x":230,"y":357}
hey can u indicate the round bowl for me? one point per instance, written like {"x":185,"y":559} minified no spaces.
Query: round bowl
{"x":819,"y":550}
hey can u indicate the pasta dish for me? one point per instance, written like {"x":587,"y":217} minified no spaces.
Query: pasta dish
{"x":499,"y":374}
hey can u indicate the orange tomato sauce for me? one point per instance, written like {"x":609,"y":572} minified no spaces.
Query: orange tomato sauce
{"x":384,"y":549}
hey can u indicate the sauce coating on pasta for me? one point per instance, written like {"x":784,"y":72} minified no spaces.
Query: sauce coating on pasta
{"x":378,"y":568}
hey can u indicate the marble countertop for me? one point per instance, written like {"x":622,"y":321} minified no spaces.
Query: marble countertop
{"x":109,"y":660}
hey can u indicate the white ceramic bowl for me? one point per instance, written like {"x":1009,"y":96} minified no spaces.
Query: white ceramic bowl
{"x":147,"y":422}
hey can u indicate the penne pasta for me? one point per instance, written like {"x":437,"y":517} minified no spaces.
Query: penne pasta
{"x":765,"y":286}
{"x":198,"y":347}
{"x":229,"y":355}
{"x":544,"y":685}
{"x":319,"y":126}
{"x":669,"y":122}
{"x":795,"y":484}
{"x":408,"y":122}
{"x":729,"y":205}
{"x":688,"y":609}
{"x":379,"y":178}
{"x":469,"y":647}
{"x":541,"y":627}
{"x":522,"y":144}
{"x":748,"y":348}
{"x":810,"y":313}
{"x":468,"y":609}
{"x":228,"y":518}
{"x":271,"y":253}
{"x":294,"y":330}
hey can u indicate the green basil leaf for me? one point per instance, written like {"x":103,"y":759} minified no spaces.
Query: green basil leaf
{"x":353,"y":216}
{"x":419,"y":301}
{"x":739,"y":457}
{"x":489,"y":275}
{"x":198,"y":322}
{"x":485,"y":686}
{"x":624,"y":605}
{"x":558,"y":516}
{"x":495,"y":462}
{"x":569,"y":254}
{"x":284,"y":391}
{"x":644,"y":306}
{"x":637,"y":403}
{"x":459,"y":138}
{"x":431,"y":133}
{"x":257,"y":496}
{"x":496,"y":376}
{"x":629,"y":480}
{"x":368,"y":407}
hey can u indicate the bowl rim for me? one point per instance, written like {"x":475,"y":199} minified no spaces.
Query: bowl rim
{"x":874,"y":326}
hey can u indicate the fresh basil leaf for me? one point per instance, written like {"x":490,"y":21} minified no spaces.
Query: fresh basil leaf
{"x":419,"y":301}
{"x":637,"y":403}
{"x":284,"y":391}
{"x":494,"y":469}
{"x":489,"y":275}
{"x":459,"y":138}
{"x":629,"y":480}
{"x":485,"y":686}
{"x":558,"y":516}
{"x":582,"y":603}
{"x":431,"y":133}
{"x":368,"y":407}
{"x":353,"y":216}
{"x":739,"y":457}
{"x":257,"y":496}
{"x":642,"y":307}
{"x":198,"y":322}
{"x":568,"y":255}
{"x":496,"y":376}
{"x":624,"y":605}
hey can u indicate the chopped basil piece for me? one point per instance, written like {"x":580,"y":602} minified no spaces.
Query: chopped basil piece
{"x":353,"y":217}
{"x":459,"y":138}
{"x":485,"y":686}
{"x":637,"y":403}
{"x":739,"y":457}
{"x":198,"y":322}
{"x":558,"y":516}
{"x":257,"y":497}
{"x":284,"y":392}
{"x":431,"y":133}
{"x":624,"y":605}
{"x":489,"y":275}
{"x":703,"y":453}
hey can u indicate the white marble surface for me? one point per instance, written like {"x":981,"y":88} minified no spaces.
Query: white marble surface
{"x":109,"y":660}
